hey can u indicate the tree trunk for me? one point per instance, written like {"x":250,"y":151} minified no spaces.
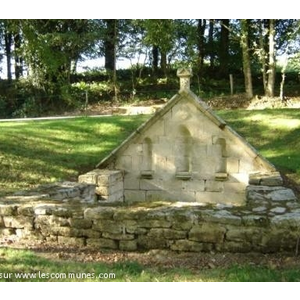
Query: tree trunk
{"x":262,"y":55}
{"x":110,"y":45}
{"x":155,"y":59}
{"x":163,"y":62}
{"x":246,"y":58}
{"x":200,"y":45}
{"x":211,"y":43}
{"x":224,"y":47}
{"x":271,"y":69}
{"x":8,"y":44}
{"x":18,"y":58}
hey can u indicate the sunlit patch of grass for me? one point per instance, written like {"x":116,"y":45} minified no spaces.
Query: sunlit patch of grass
{"x":37,"y":152}
{"x":275,"y":133}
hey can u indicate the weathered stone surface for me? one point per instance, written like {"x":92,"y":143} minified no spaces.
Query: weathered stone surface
{"x":278,"y":210}
{"x":150,"y":242}
{"x":154,"y":223}
{"x":108,"y":226}
{"x":98,"y":213}
{"x":1,"y":222}
{"x":118,"y":236}
{"x":62,"y":211}
{"x":274,"y":193}
{"x":43,"y":209}
{"x":81,"y":223}
{"x":259,"y":209}
{"x":220,"y":216}
{"x":7,"y":231}
{"x":18,"y":222}
{"x":269,"y":179}
{"x":71,"y":241}
{"x":169,"y":234}
{"x":242,"y":234}
{"x":191,"y":246}
{"x":128,"y":245}
{"x":237,"y":247}
{"x":8,"y":210}
{"x":207,"y":233}
{"x":26,"y":210}
{"x":255,"y":220}
{"x":102,"y":243}
{"x":288,"y":220}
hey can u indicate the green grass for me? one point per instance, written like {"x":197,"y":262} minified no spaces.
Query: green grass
{"x":27,"y":266}
{"x":37,"y":152}
{"x":275,"y":133}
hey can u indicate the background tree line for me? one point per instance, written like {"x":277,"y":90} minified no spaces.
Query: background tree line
{"x":41,"y":56}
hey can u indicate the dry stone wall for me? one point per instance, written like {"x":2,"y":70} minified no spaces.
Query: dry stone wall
{"x":267,"y":223}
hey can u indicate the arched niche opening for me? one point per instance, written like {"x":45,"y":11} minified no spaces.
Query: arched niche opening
{"x":147,"y":163}
{"x":221,"y":167}
{"x":183,"y":150}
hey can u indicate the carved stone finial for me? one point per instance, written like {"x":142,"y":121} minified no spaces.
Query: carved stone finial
{"x":184,"y":75}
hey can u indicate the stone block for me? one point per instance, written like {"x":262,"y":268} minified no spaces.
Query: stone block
{"x":154,"y":224}
{"x":221,"y":217}
{"x":26,"y":210}
{"x":1,"y":222}
{"x":191,"y":246}
{"x":287,"y":221}
{"x":124,"y":162}
{"x":71,"y":241}
{"x":214,"y":186}
{"x":271,"y":193}
{"x":64,"y":212}
{"x":134,"y":196}
{"x":207,"y":233}
{"x":131,"y":181}
{"x":7,"y":231}
{"x":128,"y":245}
{"x":80,"y":223}
{"x":8,"y":210}
{"x":98,"y":213}
{"x":43,"y":209}
{"x":118,"y":236}
{"x":255,"y":220}
{"x":150,"y":242}
{"x":108,"y":226}
{"x":242,"y":234}
{"x":233,"y":164}
{"x":18,"y":222}
{"x":235,"y":247}
{"x":102,"y":243}
{"x":110,"y":189}
{"x":169,"y":234}
{"x":268,"y":179}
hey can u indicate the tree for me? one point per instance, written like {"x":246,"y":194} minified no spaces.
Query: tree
{"x":224,"y":47}
{"x":160,"y":34}
{"x":246,"y":58}
{"x":201,"y":45}
{"x":271,"y":73}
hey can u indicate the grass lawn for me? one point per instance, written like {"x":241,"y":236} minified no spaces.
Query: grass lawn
{"x":37,"y":152}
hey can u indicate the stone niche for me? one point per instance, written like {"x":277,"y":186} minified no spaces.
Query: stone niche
{"x":184,"y":152}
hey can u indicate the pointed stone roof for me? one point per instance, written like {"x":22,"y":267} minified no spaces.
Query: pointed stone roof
{"x":185,"y":94}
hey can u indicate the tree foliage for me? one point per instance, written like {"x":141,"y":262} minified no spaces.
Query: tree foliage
{"x":46,"y":52}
